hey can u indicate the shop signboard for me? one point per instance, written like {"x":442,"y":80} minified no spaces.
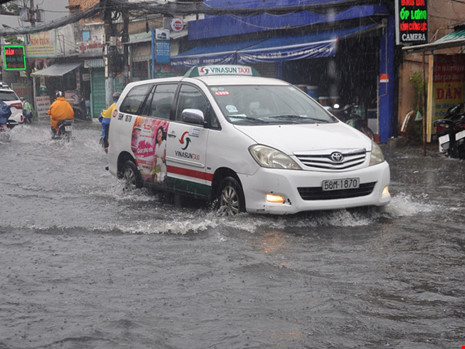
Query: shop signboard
{"x":177,"y":24}
{"x":448,"y":83}
{"x":41,"y":44}
{"x":162,"y":45}
{"x":163,"y":51}
{"x":411,"y":22}
{"x":14,"y":58}
{"x":42,"y":105}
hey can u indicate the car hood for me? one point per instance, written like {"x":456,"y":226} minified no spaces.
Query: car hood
{"x":308,"y":137}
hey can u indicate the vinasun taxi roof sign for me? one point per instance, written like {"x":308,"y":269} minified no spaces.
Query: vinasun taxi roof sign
{"x":206,"y":70}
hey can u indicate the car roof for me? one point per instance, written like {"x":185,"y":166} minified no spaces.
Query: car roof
{"x":214,"y":75}
{"x":4,"y":86}
{"x":215,"y":80}
{"x":5,"y":91}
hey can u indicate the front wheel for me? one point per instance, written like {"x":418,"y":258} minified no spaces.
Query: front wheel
{"x":230,"y":198}
{"x":131,"y":175}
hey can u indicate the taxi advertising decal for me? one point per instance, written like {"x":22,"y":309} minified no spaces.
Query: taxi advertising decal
{"x":148,"y":144}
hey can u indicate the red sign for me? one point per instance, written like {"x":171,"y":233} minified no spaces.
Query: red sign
{"x":384,"y":77}
{"x":177,"y":24}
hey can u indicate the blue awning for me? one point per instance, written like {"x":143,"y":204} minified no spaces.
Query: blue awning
{"x":268,"y":50}
{"x":222,"y":53}
{"x":227,"y":25}
{"x":298,"y":47}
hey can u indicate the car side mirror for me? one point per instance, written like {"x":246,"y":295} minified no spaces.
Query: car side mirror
{"x":193,"y":116}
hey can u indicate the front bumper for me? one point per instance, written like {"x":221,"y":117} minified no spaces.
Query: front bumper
{"x":287,"y":182}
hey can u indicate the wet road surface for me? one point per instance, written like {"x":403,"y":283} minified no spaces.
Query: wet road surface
{"x":86,"y":264}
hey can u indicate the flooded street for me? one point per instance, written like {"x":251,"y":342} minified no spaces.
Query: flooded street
{"x":86,"y":264}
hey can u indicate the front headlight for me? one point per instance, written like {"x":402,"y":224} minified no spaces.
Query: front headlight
{"x":272,"y":158}
{"x":376,"y":156}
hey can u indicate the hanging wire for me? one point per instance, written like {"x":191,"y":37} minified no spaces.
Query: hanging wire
{"x":173,"y":9}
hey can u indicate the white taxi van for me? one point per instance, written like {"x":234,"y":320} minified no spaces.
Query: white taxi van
{"x":243,"y":142}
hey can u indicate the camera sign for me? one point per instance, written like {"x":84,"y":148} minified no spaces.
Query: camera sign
{"x":411,"y":22}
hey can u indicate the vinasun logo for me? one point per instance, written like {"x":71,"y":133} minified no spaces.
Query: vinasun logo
{"x":185,"y":140}
{"x":184,"y":154}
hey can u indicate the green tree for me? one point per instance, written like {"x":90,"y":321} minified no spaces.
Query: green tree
{"x":13,"y":40}
{"x":10,"y":9}
{"x":414,"y":127}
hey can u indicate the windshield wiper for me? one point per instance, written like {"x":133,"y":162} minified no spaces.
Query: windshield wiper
{"x":259,"y":121}
{"x":242,"y":118}
{"x":297,"y":117}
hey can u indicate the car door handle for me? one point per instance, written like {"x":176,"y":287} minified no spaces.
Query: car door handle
{"x":171,"y":134}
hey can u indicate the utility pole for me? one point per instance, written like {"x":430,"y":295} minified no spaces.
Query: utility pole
{"x":28,"y":68}
{"x":32,"y":13}
{"x":109,"y":51}
{"x":125,"y":39}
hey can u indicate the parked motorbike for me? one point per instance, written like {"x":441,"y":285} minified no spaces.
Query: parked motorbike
{"x":65,"y":128}
{"x":450,"y":132}
{"x":80,"y":113}
{"x":348,"y":115}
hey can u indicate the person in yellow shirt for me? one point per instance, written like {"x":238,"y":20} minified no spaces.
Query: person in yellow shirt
{"x":105,"y":118}
{"x":59,"y":110}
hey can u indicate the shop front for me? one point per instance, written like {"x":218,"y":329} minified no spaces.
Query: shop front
{"x":344,"y":58}
{"x":64,"y":77}
{"x":445,"y":76}
{"x":142,"y":52}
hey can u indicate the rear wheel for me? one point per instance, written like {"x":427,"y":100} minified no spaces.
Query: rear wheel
{"x":230,"y":199}
{"x":131,"y":175}
{"x":461,"y":151}
{"x":78,"y":114}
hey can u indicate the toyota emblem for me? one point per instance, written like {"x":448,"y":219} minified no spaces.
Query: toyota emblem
{"x":337,"y":157}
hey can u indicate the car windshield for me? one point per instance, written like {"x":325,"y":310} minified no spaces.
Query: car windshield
{"x":268,"y":104}
{"x":8,"y":96}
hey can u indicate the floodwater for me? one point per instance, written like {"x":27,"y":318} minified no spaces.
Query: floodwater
{"x":85,"y":264}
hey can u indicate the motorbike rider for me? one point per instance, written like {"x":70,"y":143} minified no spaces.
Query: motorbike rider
{"x":5,"y":113}
{"x":105,"y":118}
{"x":28,"y":111}
{"x":59,"y":110}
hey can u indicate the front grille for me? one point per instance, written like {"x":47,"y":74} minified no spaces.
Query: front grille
{"x":322,"y":159}
{"x":316,"y":193}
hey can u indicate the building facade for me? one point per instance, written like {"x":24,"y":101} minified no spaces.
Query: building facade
{"x":343,"y":52}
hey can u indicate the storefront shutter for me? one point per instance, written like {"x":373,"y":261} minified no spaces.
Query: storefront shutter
{"x":97,"y":91}
{"x":267,"y":70}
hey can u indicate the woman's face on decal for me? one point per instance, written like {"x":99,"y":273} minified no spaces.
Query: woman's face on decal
{"x":159,"y":136}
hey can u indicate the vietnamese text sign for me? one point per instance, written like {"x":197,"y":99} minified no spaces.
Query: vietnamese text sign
{"x":163,"y":51}
{"x":14,"y":57}
{"x":41,"y":44}
{"x":42,"y":105}
{"x":448,"y":83}
{"x":411,"y":22}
